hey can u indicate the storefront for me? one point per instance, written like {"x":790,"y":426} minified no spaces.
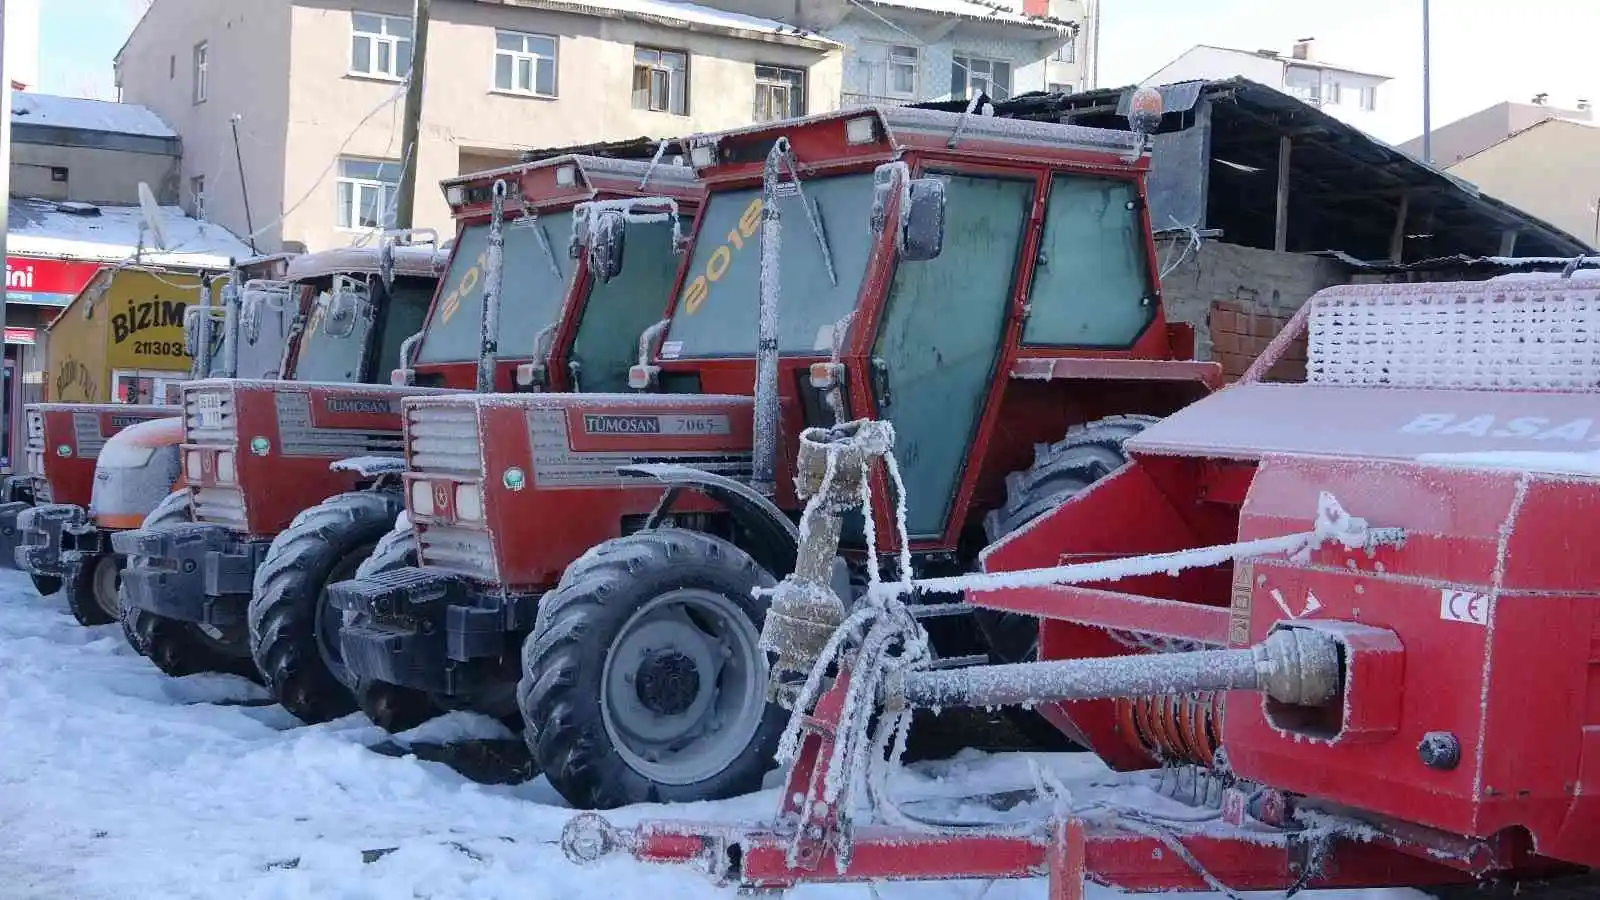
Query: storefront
{"x":36,"y":289}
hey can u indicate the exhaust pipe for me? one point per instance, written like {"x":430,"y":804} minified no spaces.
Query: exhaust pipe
{"x":764,"y":466}
{"x":202,"y":350}
{"x":489,"y":335}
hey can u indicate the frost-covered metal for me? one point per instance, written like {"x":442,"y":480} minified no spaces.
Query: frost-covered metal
{"x":494,"y":276}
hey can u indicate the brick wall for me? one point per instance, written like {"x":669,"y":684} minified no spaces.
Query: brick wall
{"x":1239,"y":333}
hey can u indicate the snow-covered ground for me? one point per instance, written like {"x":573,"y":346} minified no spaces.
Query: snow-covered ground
{"x":117,"y":782}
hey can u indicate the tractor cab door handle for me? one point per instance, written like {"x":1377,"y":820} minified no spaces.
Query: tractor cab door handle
{"x":880,"y":382}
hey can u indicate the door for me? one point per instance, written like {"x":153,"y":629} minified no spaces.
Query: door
{"x":939,"y":340}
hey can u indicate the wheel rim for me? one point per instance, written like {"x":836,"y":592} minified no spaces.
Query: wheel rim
{"x":329,"y":618}
{"x":683,"y":688}
{"x":107,"y":578}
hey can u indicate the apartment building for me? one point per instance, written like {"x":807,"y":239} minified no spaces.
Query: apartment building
{"x":906,"y":51}
{"x":1349,"y":95}
{"x":304,"y":97}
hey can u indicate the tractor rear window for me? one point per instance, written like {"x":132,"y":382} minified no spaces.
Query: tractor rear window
{"x":717,"y":312}
{"x":535,"y":277}
{"x":1091,"y":285}
{"x":620,"y":310}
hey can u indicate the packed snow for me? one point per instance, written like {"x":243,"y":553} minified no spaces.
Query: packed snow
{"x":118,"y":782}
{"x":87,"y":115}
{"x":113,"y":234}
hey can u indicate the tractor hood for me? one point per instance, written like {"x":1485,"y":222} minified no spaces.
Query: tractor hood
{"x":1247,"y":421}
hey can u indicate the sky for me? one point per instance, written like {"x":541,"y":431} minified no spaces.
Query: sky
{"x":1484,"y":51}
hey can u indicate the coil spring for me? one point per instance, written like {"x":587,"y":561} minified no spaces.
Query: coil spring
{"x":1175,"y":728}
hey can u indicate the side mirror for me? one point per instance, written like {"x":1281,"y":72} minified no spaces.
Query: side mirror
{"x":922,"y":221}
{"x":191,"y":331}
{"x":341,"y":308}
{"x":607,"y":235}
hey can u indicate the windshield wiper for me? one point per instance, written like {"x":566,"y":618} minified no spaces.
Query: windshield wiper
{"x":784,"y":154}
{"x":531,"y":220}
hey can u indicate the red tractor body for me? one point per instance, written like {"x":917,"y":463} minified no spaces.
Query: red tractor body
{"x":1434,"y":718}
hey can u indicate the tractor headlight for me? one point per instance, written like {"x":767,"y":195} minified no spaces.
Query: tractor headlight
{"x":192,"y":465}
{"x":421,"y":498}
{"x":469,"y":503}
{"x":225,"y":469}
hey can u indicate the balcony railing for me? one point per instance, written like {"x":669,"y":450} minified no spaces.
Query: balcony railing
{"x":848,"y":99}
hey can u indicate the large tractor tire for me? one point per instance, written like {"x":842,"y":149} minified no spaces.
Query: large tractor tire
{"x":1060,"y":471}
{"x":643,"y":680}
{"x":180,"y":648}
{"x":294,"y":632}
{"x":92,"y":592}
{"x":390,"y":706}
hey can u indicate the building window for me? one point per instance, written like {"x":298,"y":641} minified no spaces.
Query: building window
{"x":890,"y":70}
{"x":1369,"y":98}
{"x":172,"y":67}
{"x":1068,"y":52}
{"x":780,"y":93}
{"x":380,"y":46}
{"x":1334,"y":93}
{"x":367,"y":190}
{"x":525,"y":63}
{"x":200,"y":51}
{"x":197,"y":196}
{"x":1059,"y":88}
{"x":971,"y":75}
{"x":661,"y":80}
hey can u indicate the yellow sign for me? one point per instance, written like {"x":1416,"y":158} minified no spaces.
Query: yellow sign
{"x":717,"y":263}
{"x":148,"y":334}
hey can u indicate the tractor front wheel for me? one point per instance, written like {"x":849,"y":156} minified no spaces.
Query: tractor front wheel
{"x":390,"y":706}
{"x":644,"y":680}
{"x":1060,"y":471}
{"x":294,"y":631}
{"x":92,"y":592}
{"x":181,"y":648}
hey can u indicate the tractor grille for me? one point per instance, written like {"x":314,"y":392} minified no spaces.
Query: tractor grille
{"x":208,"y":418}
{"x":219,"y":506}
{"x":299,"y":437}
{"x":444,"y":441}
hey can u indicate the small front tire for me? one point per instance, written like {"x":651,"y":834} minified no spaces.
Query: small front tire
{"x":92,"y":592}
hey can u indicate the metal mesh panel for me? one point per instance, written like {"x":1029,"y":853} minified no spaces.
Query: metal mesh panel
{"x":1521,"y":335}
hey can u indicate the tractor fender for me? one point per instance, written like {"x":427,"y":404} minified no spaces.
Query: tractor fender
{"x":137,"y":468}
{"x":776,"y":540}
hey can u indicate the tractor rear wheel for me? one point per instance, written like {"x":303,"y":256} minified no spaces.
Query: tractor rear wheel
{"x":92,"y":592}
{"x":644,"y":680}
{"x":182,"y":648}
{"x":1060,"y":471}
{"x":294,"y":632}
{"x":390,"y":706}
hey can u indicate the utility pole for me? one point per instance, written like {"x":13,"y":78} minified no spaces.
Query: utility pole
{"x":1427,"y":92}
{"x":10,"y":440}
{"x":407,"y":192}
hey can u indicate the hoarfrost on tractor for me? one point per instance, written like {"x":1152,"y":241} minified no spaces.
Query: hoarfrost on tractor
{"x":1343,"y":628}
{"x":987,"y":286}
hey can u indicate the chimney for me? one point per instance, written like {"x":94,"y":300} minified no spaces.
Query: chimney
{"x":1036,"y":7}
{"x":1302,"y":49}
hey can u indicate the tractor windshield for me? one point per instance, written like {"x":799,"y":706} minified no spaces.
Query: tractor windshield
{"x":618,"y":311}
{"x":536,"y":272}
{"x":716,"y":315}
{"x":328,"y":357}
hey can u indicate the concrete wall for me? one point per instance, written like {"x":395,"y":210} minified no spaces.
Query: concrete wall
{"x":248,"y":75}
{"x":1551,"y":170}
{"x":1460,"y":139}
{"x":1209,"y":63}
{"x":463,"y":118}
{"x":94,"y":175}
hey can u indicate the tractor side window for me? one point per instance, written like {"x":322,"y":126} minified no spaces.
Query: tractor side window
{"x":325,"y":357}
{"x":1091,"y":284}
{"x":618,"y":311}
{"x":408,"y":307}
{"x":535,"y":276}
{"x":717,"y":312}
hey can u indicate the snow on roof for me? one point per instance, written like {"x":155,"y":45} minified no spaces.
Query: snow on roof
{"x":87,"y":115}
{"x":1291,"y":60}
{"x":691,"y":13}
{"x":987,"y":10}
{"x":72,"y":231}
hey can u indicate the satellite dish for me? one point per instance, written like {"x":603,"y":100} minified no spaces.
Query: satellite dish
{"x":152,"y":216}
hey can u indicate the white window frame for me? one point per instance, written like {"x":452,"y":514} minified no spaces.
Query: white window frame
{"x":1067,"y":52}
{"x":896,"y":56}
{"x":677,"y":81}
{"x":529,"y":57}
{"x":161,"y":380}
{"x":1369,"y":98}
{"x":197,"y":196}
{"x":965,"y":61}
{"x":773,"y":86}
{"x":387,"y":36}
{"x":347,"y":216}
{"x":202,"y":63}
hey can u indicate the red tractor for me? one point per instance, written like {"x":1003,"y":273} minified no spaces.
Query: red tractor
{"x":988,"y":286}
{"x":1344,"y":628}
{"x":292,"y":483}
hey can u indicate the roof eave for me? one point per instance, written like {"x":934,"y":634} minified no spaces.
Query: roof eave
{"x":1048,"y":26}
{"x":809,"y":42}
